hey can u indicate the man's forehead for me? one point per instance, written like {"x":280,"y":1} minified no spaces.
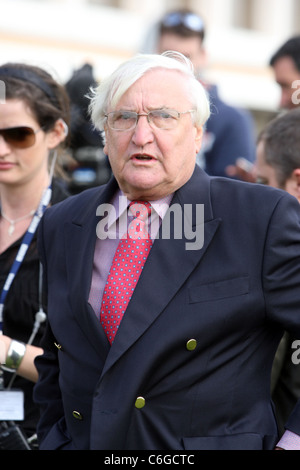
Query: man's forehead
{"x":158,"y":83}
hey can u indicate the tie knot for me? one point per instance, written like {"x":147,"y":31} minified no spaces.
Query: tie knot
{"x":140,"y":209}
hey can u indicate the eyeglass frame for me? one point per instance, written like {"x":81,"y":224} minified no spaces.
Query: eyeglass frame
{"x":137,"y":115}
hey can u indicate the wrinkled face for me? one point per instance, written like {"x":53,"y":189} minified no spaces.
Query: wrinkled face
{"x":151,"y":163}
{"x":20,"y":165}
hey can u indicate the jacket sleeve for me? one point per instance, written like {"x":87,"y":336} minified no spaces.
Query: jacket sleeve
{"x":52,"y":432}
{"x":51,"y":427}
{"x":281,"y":276}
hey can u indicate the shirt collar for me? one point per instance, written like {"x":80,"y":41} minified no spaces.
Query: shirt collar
{"x":120,"y":203}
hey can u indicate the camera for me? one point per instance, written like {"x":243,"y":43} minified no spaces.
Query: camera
{"x":12,"y":437}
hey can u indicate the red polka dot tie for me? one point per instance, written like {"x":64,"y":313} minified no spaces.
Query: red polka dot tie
{"x":126,"y":268}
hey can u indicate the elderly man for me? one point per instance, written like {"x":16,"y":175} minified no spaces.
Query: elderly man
{"x":163,"y":337}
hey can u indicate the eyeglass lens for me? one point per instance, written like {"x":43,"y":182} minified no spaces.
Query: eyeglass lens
{"x":162,"y":119}
{"x":20,"y":137}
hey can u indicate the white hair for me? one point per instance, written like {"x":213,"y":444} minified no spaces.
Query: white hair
{"x":112,"y":88}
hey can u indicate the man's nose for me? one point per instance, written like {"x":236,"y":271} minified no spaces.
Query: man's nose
{"x":143,"y":132}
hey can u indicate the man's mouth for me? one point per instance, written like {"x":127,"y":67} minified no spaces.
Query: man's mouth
{"x":142,"y":157}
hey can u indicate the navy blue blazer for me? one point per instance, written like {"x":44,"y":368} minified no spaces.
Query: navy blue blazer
{"x":190,"y":365}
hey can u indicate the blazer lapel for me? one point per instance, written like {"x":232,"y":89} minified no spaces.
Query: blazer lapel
{"x":159,"y":282}
{"x":80,"y":239}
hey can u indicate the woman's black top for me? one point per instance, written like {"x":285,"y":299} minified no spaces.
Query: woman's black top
{"x":21,"y":305}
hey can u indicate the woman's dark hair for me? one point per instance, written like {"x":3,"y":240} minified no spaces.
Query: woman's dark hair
{"x":46,"y":98}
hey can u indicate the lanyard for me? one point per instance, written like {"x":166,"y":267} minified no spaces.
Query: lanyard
{"x":23,"y":249}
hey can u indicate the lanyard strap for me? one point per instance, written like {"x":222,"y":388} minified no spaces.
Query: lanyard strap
{"x":23,"y":249}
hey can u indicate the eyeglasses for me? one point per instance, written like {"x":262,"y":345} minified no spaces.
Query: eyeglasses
{"x":21,"y":137}
{"x":158,"y":118}
{"x":189,"y":20}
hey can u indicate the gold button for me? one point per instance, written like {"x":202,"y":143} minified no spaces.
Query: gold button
{"x":77,"y":415}
{"x":140,"y":402}
{"x":191,"y":345}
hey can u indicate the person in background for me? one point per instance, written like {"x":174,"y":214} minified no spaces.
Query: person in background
{"x":163,"y":337}
{"x":285,"y":63}
{"x":33,"y":127}
{"x":89,"y":166}
{"x":82,"y":132}
{"x":229,"y":132}
{"x":278,"y":153}
{"x":278,"y":165}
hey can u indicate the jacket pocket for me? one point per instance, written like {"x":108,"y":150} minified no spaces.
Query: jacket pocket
{"x":219,"y":290}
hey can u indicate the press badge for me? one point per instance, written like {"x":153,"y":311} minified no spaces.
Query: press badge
{"x":11,"y":405}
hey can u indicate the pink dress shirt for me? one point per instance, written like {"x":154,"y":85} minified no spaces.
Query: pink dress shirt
{"x":105,"y":248}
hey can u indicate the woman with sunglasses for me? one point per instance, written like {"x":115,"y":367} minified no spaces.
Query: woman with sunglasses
{"x":33,"y":127}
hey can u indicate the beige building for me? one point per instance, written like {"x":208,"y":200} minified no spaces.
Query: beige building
{"x":60,"y":35}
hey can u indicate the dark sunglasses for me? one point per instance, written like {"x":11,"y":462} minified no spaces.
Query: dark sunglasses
{"x":21,"y":137}
{"x":191,"y":21}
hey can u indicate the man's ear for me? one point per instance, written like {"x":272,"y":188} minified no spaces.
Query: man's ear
{"x":296,"y":176}
{"x":296,"y":179}
{"x":104,"y":137}
{"x":198,"y":138}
